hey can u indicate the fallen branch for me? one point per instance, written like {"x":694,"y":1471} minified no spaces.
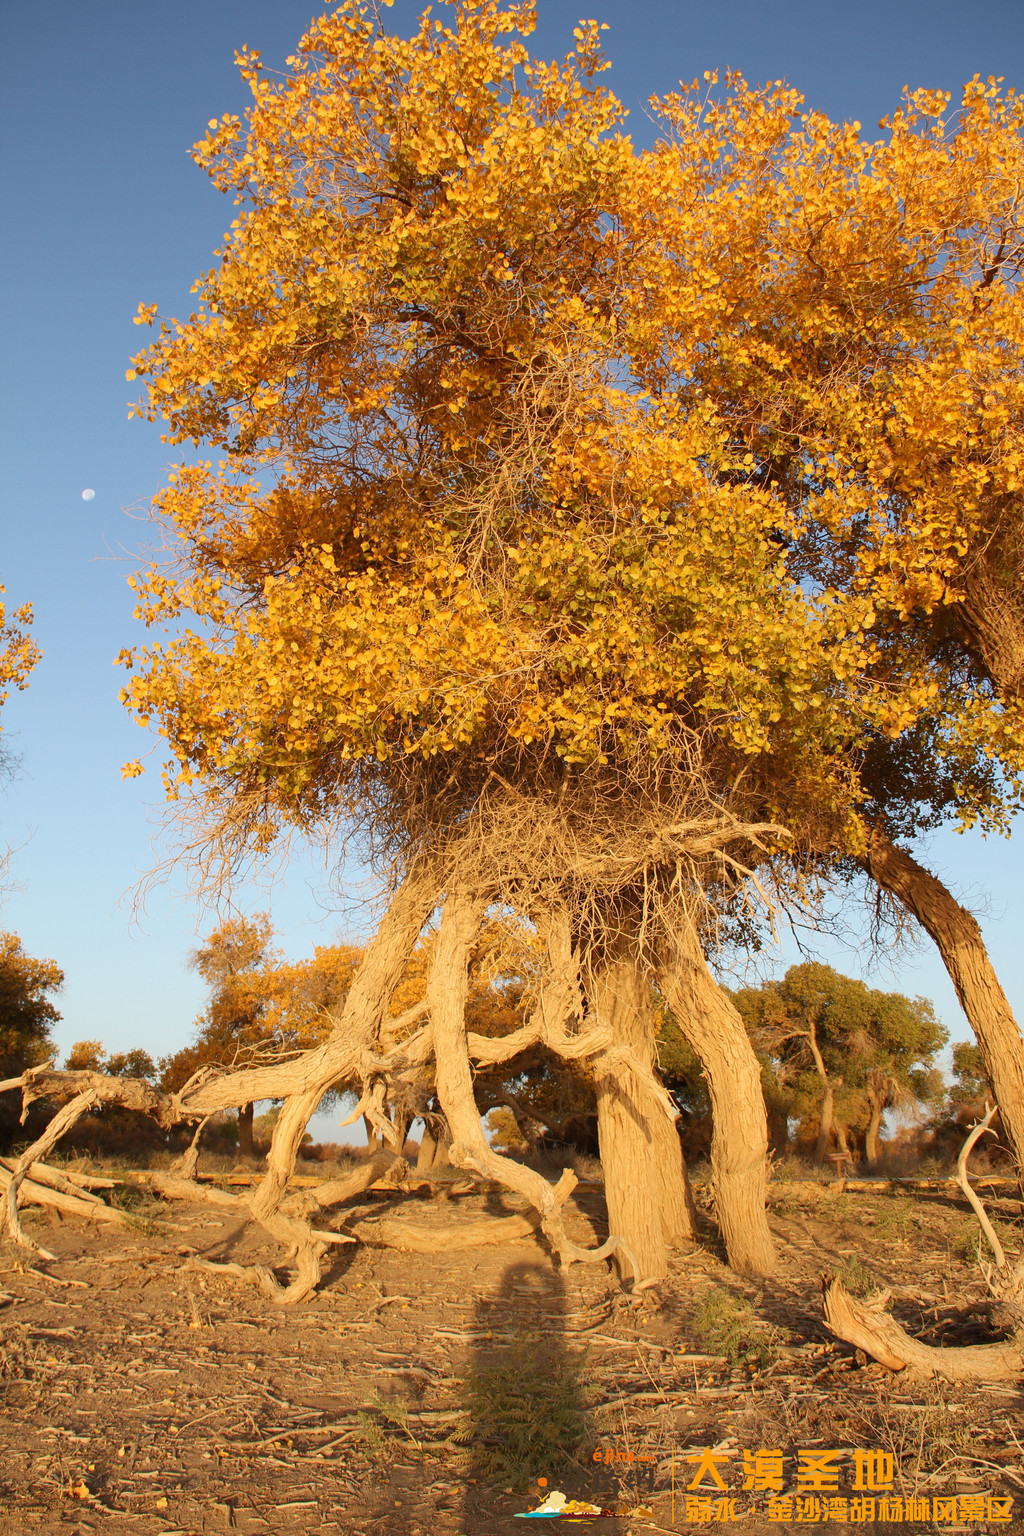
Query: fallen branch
{"x":55,"y":1178}
{"x":867,"y":1326}
{"x":380,"y":1169}
{"x":412,"y":1237}
{"x":172,"y":1186}
{"x":33,"y":1193}
{"x":983,"y":1128}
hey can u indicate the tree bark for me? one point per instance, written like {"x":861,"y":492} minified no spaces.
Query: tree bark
{"x":871,"y":1149}
{"x":739,"y":1143}
{"x":245,"y":1115}
{"x":958,"y":937}
{"x":644,"y":1180}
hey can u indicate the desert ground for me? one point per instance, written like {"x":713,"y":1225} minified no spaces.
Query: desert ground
{"x":422,"y":1394}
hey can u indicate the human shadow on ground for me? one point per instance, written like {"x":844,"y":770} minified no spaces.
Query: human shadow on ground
{"x":528,"y":1393}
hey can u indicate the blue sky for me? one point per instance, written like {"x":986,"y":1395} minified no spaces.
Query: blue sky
{"x":104,"y":209}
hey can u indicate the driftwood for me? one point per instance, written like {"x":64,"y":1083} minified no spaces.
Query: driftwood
{"x":867,"y":1326}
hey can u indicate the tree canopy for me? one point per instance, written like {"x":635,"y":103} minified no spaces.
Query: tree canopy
{"x":27,"y":1011}
{"x":543,"y":450}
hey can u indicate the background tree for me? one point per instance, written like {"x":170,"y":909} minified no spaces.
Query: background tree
{"x":236,"y":963}
{"x":844,"y":1053}
{"x":261,"y":1006}
{"x":18,"y":652}
{"x":27,"y":1015}
{"x":90,"y":1056}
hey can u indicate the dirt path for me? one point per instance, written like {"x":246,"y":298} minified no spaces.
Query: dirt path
{"x":138,"y":1395}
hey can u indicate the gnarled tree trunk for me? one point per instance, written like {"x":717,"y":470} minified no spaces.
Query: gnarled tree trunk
{"x":739,"y":1143}
{"x":826,"y":1120}
{"x":446,"y":993}
{"x":958,"y":937}
{"x":871,"y":1148}
{"x":644,"y":1177}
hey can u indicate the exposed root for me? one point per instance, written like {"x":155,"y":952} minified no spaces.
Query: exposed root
{"x":251,"y":1274}
{"x":447,"y":987}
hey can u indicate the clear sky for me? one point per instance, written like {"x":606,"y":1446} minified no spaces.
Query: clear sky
{"x":103,"y":208}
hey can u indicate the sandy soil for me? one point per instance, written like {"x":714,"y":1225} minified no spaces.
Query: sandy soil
{"x":421,"y":1394}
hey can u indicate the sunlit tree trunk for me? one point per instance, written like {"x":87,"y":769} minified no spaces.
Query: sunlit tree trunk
{"x":826,"y":1119}
{"x":739,"y":1144}
{"x":958,"y":937}
{"x":871,"y":1147}
{"x":645,"y":1183}
{"x":425,"y":1156}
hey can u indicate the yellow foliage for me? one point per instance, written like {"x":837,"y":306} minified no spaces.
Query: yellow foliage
{"x":18,"y":652}
{"x":538,"y":446}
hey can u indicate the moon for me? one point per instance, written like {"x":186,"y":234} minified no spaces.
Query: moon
{"x":88,"y":495}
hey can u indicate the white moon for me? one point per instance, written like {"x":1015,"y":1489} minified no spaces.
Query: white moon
{"x":88,"y":495}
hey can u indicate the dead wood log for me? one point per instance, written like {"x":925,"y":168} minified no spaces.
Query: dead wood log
{"x":380,"y":1169}
{"x":414,"y":1237}
{"x":126,"y":1091}
{"x":867,"y":1326}
{"x":56,"y":1178}
{"x":173,"y":1186}
{"x":32,"y":1193}
{"x":983,"y":1128}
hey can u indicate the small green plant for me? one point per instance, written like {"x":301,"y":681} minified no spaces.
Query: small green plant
{"x":145,"y":1226}
{"x":526,"y":1412}
{"x":725,"y":1325}
{"x":857,"y":1277}
{"x":897,"y":1220}
{"x":967,"y":1245}
{"x":947,"y":1431}
{"x":373,"y":1435}
{"x":785,"y":1170}
{"x":129,"y":1197}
